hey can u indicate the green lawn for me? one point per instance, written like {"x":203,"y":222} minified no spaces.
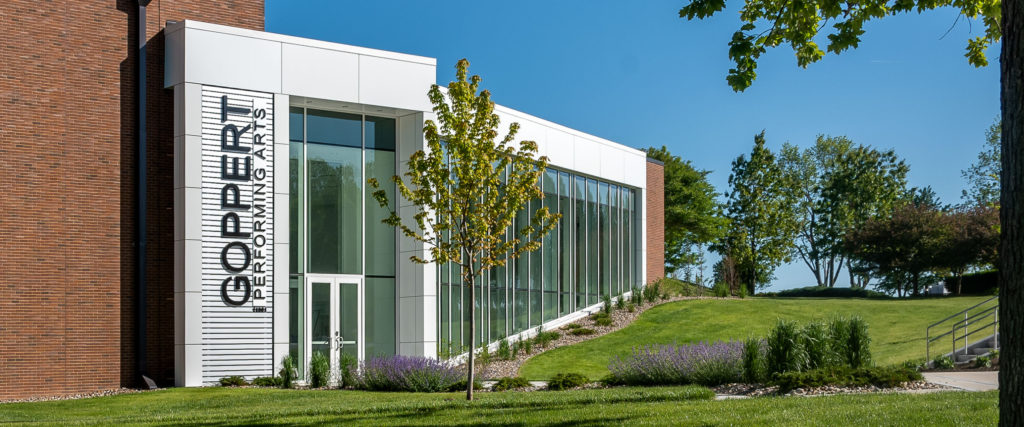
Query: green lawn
{"x":661,"y":405}
{"x":897,"y":328}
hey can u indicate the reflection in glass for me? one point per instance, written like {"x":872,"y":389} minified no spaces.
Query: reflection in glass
{"x":335,"y":198}
{"x":320,"y":318}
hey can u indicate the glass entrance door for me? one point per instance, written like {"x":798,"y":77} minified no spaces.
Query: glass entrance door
{"x":334,"y":317}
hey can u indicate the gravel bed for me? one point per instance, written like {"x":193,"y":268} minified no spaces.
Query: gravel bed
{"x":620,"y":319}
{"x":111,"y":392}
{"x":754,"y":390}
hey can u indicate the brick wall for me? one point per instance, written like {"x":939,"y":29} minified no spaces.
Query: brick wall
{"x":67,"y":156}
{"x":655,"y":220}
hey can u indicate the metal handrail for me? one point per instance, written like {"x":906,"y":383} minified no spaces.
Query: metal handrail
{"x":989,"y":312}
{"x":962,"y":311}
{"x":964,"y":324}
{"x":981,"y":314}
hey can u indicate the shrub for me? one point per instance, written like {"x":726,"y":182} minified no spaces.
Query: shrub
{"x":620,"y":303}
{"x":288,"y":372}
{"x":886,"y":377}
{"x":572,"y":326}
{"x":408,"y":373}
{"x":483,"y":356}
{"x":544,"y":338}
{"x":817,"y":345}
{"x":566,"y":381}
{"x":917,"y":364}
{"x":827,"y":292}
{"x":510,"y":383}
{"x":720,"y":289}
{"x":982,"y":362}
{"x":233,"y":381}
{"x":785,"y":352}
{"x":460,"y":385}
{"x":527,"y":346}
{"x":652,"y":291}
{"x":753,"y":360}
{"x":348,"y":364}
{"x":606,"y":304}
{"x":582,"y":331}
{"x":517,"y":346}
{"x":636,"y":297}
{"x":319,"y":370}
{"x":702,"y":363}
{"x":742,"y":292}
{"x":603,"y":321}
{"x":943,"y":362}
{"x":858,"y":341}
{"x":504,"y":351}
{"x":267,"y":381}
{"x":631,"y":307}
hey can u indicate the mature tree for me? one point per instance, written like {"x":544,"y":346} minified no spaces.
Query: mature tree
{"x":798,"y":24}
{"x":972,"y":239}
{"x":692,"y":214}
{"x":865,"y":184}
{"x":983,"y":176}
{"x":819,"y":225}
{"x":761,"y":213}
{"x":903,"y":245}
{"x":467,"y":188}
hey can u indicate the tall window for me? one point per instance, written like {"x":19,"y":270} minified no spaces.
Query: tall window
{"x":588,"y":254}
{"x":331,"y":156}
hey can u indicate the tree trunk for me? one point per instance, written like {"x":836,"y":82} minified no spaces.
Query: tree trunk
{"x":1011,"y":217}
{"x":471,"y":281}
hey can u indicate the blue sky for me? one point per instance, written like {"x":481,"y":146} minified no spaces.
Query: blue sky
{"x":635,"y":73}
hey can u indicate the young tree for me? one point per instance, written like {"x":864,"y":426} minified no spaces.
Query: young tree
{"x":983,"y":177}
{"x":692,"y":215}
{"x":798,"y":24}
{"x":761,"y":213}
{"x":467,"y":188}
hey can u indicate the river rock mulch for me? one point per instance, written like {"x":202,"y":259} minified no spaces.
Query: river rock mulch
{"x":100,"y":393}
{"x":620,"y":318}
{"x":754,"y":390}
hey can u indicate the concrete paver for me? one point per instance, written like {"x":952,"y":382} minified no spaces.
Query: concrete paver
{"x":970,"y":381}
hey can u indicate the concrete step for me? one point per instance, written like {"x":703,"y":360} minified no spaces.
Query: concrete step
{"x":965,"y":358}
{"x":981,"y":350}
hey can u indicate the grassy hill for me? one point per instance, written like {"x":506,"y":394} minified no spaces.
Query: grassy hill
{"x":897,"y":328}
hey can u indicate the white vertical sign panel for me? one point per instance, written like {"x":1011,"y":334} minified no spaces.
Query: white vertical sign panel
{"x":237,"y":230}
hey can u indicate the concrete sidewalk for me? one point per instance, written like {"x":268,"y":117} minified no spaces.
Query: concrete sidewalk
{"x":970,"y":381}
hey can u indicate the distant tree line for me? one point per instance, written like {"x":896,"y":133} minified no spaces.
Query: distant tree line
{"x":833,"y":205}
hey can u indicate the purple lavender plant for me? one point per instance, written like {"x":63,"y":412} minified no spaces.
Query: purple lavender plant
{"x":406,"y":373}
{"x":701,"y":363}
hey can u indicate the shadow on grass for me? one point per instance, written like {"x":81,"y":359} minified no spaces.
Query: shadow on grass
{"x":515,"y":409}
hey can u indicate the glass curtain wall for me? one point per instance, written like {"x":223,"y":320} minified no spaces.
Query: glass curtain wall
{"x":590,"y":253}
{"x":331,"y":156}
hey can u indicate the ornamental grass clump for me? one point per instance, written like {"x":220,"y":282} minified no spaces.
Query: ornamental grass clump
{"x":407,"y":373}
{"x":753,"y":360}
{"x":703,"y":363}
{"x":785,"y":348}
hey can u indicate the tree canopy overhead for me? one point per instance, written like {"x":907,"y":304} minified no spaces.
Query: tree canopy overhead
{"x":768,"y":24}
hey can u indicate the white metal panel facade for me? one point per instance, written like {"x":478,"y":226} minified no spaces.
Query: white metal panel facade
{"x":237,"y":233}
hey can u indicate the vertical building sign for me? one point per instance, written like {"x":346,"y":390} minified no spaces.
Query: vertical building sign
{"x":237,"y":224}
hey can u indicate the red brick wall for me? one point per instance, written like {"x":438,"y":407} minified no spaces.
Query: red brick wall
{"x":655,"y":220}
{"x":67,"y":155}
